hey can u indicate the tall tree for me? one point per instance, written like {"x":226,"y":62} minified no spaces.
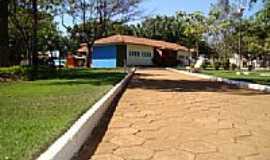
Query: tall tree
{"x":28,"y":18}
{"x":4,"y":52}
{"x":195,"y":28}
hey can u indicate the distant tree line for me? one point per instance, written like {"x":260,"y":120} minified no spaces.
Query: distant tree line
{"x":29,"y":26}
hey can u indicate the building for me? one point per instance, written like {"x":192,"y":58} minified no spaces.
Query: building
{"x":120,"y":50}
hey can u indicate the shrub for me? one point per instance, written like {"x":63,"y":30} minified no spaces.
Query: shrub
{"x":234,"y":66}
{"x":226,"y":65}
{"x":250,"y":67}
{"x":15,"y":72}
{"x":204,"y":65}
{"x":217,"y":65}
{"x":25,"y":72}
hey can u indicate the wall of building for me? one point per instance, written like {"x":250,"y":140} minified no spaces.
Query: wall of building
{"x":121,"y":55}
{"x":104,"y":56}
{"x":183,"y":58}
{"x":139,"y":55}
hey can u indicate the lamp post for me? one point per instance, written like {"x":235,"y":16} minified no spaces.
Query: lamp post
{"x":239,"y":14}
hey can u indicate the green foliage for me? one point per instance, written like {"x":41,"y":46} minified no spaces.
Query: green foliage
{"x":234,"y":67}
{"x":217,"y":65}
{"x":228,"y":27}
{"x":21,"y":30}
{"x":204,"y":65}
{"x":24,"y":72}
{"x":15,"y":72}
{"x":226,"y":65}
{"x":182,"y":28}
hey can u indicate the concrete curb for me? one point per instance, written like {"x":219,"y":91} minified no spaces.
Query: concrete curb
{"x":65,"y":147}
{"x":246,"y":85}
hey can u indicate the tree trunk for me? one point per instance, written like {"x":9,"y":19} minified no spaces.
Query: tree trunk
{"x":197,"y":49}
{"x":4,"y":48}
{"x":34,"y":39}
{"x":89,"y":56}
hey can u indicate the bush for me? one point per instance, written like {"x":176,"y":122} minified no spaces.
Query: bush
{"x":234,"y":66}
{"x":25,"y":72}
{"x":204,"y":65}
{"x":15,"y":72}
{"x":250,"y":67}
{"x":217,"y":65}
{"x":226,"y":65}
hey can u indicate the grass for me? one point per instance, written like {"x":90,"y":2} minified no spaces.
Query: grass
{"x":259,"y":77}
{"x":34,"y":114}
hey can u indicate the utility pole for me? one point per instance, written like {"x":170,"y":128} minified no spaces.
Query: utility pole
{"x":239,"y":14}
{"x":240,"y":43}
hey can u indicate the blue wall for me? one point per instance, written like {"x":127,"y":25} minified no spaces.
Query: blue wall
{"x":104,"y":56}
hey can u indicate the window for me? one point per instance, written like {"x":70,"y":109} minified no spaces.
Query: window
{"x":146,"y":54}
{"x":134,"y":53}
{"x":138,"y":54}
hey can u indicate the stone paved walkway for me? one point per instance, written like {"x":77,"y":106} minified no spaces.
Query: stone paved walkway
{"x":169,"y":116}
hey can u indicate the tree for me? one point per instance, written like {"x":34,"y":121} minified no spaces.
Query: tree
{"x":224,"y":29}
{"x":99,"y":13}
{"x":4,"y":53}
{"x":21,"y":22}
{"x":195,"y":28}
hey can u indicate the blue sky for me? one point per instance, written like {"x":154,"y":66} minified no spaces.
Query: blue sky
{"x":169,"y":7}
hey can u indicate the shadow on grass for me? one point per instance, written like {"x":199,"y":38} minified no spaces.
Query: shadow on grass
{"x":165,"y":85}
{"x":102,"y":78}
{"x":81,"y":76}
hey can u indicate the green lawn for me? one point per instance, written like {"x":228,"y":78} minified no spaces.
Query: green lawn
{"x":34,"y":114}
{"x":260,"y":77}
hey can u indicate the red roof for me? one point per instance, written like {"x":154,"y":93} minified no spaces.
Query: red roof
{"x":123,"y":39}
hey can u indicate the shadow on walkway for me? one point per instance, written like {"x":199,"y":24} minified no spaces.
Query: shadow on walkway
{"x":89,"y":148}
{"x":165,"y":85}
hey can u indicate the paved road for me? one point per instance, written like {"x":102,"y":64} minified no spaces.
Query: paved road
{"x":170,"y":116}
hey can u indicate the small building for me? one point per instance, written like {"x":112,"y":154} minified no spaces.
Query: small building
{"x":120,"y":50}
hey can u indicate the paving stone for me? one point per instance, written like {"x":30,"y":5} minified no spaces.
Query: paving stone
{"x":215,"y":156}
{"x":225,"y":124}
{"x":165,"y":115}
{"x":236,"y":149}
{"x":123,"y":131}
{"x":135,"y":114}
{"x":161,"y":144}
{"x":120,"y":124}
{"x":173,"y":155}
{"x":127,"y":140}
{"x":106,"y":157}
{"x":256,"y":157}
{"x":198,"y":147}
{"x":106,"y":148}
{"x":134,"y":153}
{"x":147,"y":126}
